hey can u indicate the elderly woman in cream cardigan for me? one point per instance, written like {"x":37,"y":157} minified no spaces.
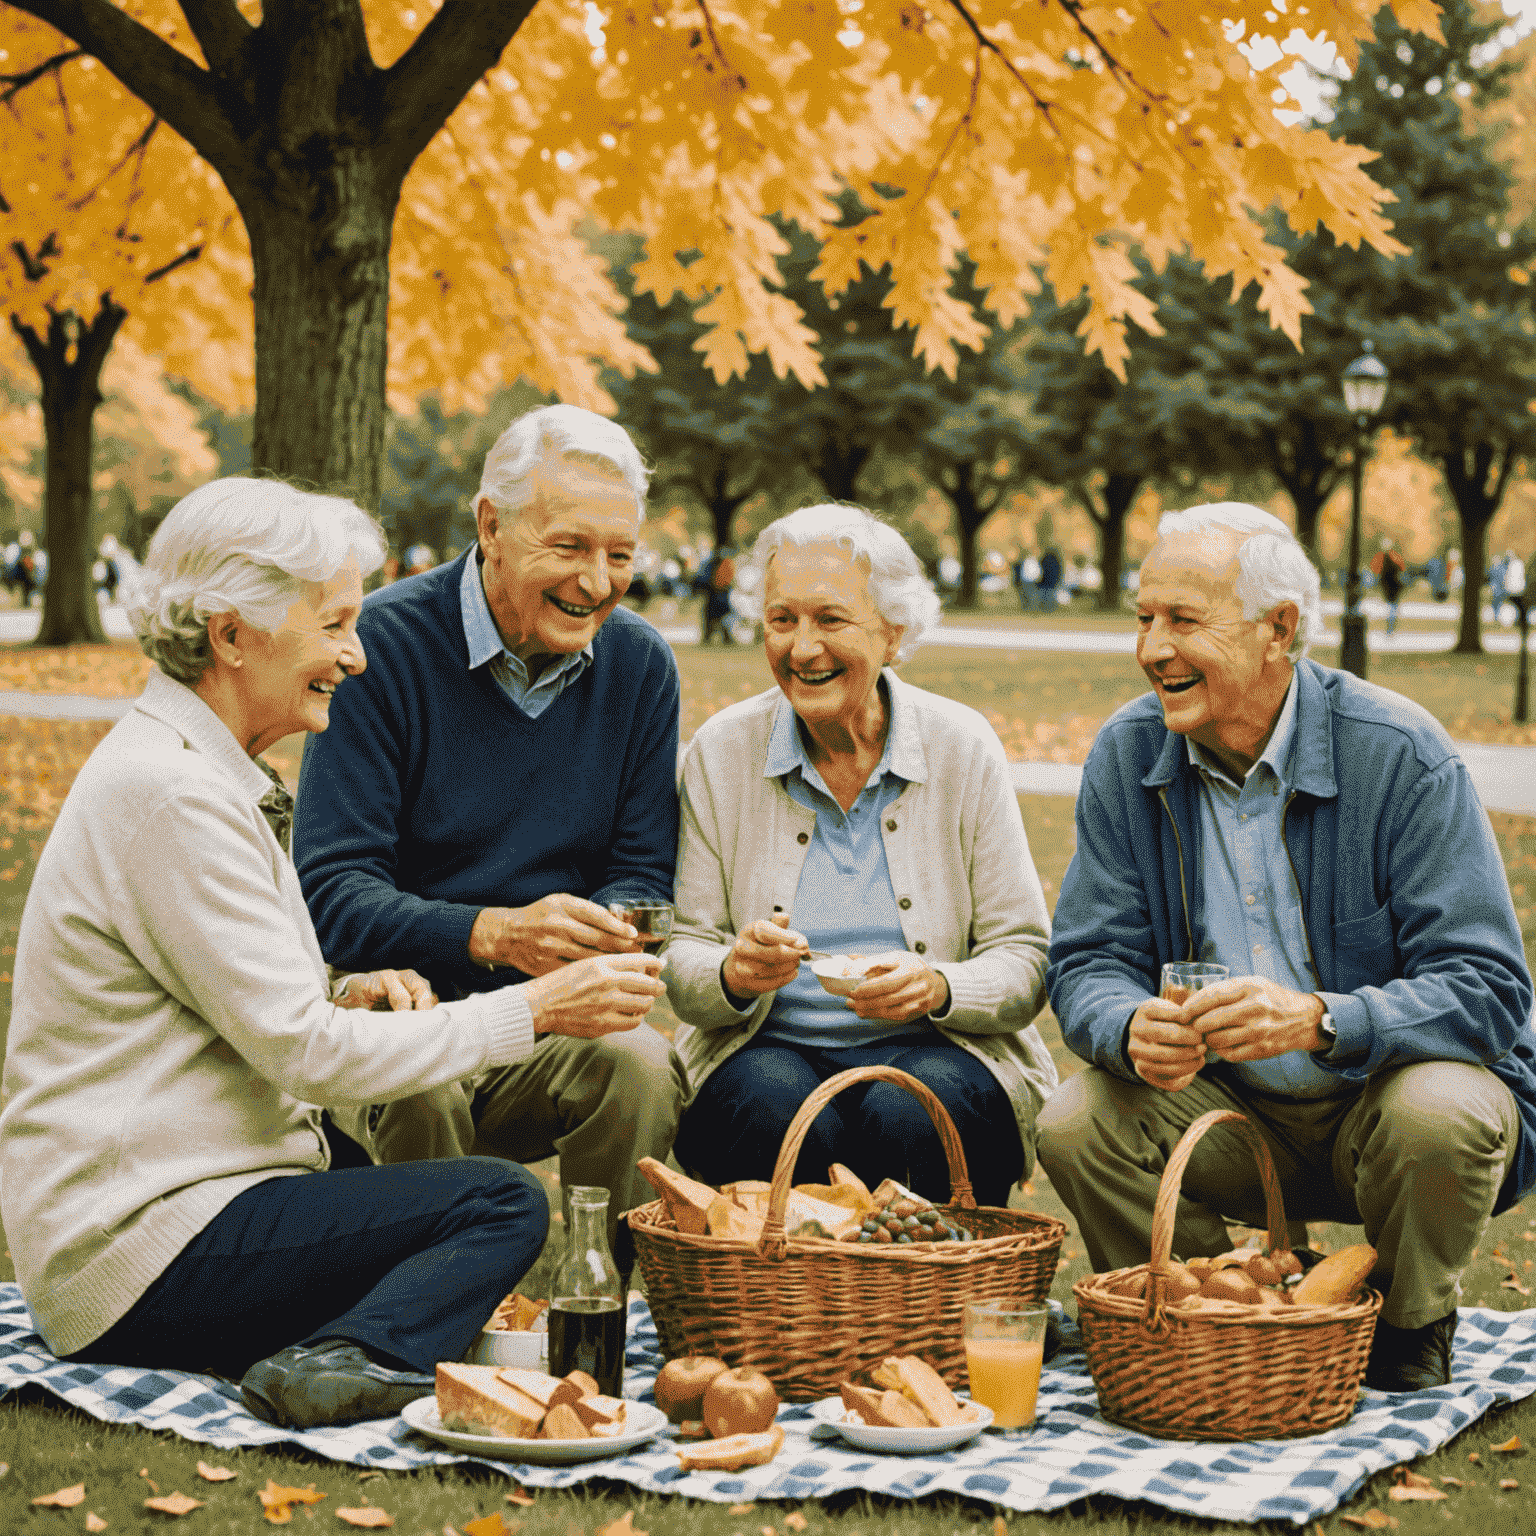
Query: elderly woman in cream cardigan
{"x":846,"y":812}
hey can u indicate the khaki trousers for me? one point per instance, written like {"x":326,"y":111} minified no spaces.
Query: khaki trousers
{"x":601,"y":1105}
{"x":1417,"y":1158}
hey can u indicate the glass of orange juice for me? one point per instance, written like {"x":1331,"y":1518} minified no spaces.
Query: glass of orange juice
{"x":1004,"y":1350}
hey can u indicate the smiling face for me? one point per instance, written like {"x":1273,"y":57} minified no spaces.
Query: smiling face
{"x":826,"y":641}
{"x":555,"y":569}
{"x":289,"y":674}
{"x":1220,"y":678}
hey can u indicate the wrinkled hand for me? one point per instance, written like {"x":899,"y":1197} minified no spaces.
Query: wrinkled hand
{"x":906,"y":989}
{"x":1250,"y":1018}
{"x":764,"y":957}
{"x":1164,"y":1049}
{"x":552,"y":932}
{"x":594,"y":997}
{"x":402,"y":990}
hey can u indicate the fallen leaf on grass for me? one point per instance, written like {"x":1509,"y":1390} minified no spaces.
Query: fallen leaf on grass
{"x":520,"y":1496}
{"x":1508,"y":1483}
{"x":1403,"y":1492}
{"x":1453,"y":1482}
{"x":63,"y":1498}
{"x":368,"y":1518}
{"x":795,"y":1521}
{"x":367,"y":1473}
{"x":488,"y":1525}
{"x":277,"y":1502}
{"x":173,"y":1504}
{"x":999,"y":1526}
{"x":1372,"y":1520}
{"x":1509,"y":1447}
{"x":1515,"y":1283}
{"x":154,"y":1487}
{"x":623,"y":1526}
{"x":1474,"y":1458}
{"x":741,"y":1509}
{"x":93,"y":1521}
{"x":5,"y":1467}
{"x":215,"y":1474}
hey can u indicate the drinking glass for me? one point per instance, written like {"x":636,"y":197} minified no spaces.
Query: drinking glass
{"x":1004,"y":1351}
{"x":652,"y":920}
{"x":1183,"y":978}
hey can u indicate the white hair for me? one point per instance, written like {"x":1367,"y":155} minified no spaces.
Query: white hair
{"x":240,"y":546}
{"x":1272,"y":567}
{"x":558,"y":432}
{"x":901,"y":592}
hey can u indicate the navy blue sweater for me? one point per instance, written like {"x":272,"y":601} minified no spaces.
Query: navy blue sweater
{"x":432,"y":795}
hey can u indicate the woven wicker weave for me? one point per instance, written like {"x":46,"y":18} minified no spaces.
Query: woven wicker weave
{"x":1231,"y":1374}
{"x":809,"y":1313}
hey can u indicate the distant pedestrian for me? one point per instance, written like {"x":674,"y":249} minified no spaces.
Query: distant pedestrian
{"x":1388,"y":568}
{"x":1435,"y":574}
{"x":1050,"y":578}
{"x":716,"y":578}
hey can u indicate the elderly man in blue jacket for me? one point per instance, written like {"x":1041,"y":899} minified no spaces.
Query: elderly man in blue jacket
{"x":1320,"y":838}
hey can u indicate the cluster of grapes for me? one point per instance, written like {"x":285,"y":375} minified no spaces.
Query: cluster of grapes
{"x":904,"y":1221}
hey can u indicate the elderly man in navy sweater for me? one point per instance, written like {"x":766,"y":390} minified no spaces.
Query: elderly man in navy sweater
{"x":1321,"y":839}
{"x":504,"y":769}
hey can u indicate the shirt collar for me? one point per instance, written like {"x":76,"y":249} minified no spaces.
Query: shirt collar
{"x":177,"y":706}
{"x":786,"y":750}
{"x":1277,"y":752}
{"x":480,"y":632}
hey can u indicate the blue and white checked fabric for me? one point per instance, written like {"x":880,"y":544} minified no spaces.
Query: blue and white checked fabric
{"x":1071,"y":1453}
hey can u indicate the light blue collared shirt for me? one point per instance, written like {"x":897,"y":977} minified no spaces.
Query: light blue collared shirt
{"x":845,"y":903}
{"x":532,"y":696}
{"x":1254,"y":924}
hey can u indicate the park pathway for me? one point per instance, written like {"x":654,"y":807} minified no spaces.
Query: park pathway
{"x":1505,"y":777}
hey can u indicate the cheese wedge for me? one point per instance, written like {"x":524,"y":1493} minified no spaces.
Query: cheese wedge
{"x":733,"y":1452}
{"x":687,"y":1199}
{"x":562,"y":1422}
{"x":472,"y":1398}
{"x":838,"y":1173}
{"x":926,"y":1388}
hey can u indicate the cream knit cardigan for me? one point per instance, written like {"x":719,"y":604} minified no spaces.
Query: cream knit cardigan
{"x":965,"y":884}
{"x":172,"y":1028}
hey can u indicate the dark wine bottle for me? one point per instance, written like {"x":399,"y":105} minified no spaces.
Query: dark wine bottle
{"x":587,"y":1305}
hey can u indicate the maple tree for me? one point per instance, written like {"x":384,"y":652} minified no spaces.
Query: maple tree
{"x":1055,"y":136}
{"x":94,"y":212}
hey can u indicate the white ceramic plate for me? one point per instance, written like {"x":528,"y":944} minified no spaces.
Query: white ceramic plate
{"x":900,"y":1442}
{"x":642,"y":1419}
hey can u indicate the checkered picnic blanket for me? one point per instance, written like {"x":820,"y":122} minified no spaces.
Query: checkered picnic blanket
{"x":1072,"y":1452}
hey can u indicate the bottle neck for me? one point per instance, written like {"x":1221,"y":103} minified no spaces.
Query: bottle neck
{"x":588,"y":1269}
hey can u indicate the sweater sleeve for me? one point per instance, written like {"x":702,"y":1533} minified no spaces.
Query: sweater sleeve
{"x":347,"y":838}
{"x":1000,"y":987}
{"x":642,"y":856}
{"x":206,"y":921}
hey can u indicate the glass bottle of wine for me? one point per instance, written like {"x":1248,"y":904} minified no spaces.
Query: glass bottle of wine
{"x":586,"y":1308}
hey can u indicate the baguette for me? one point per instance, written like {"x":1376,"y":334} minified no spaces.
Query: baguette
{"x":1336,"y":1279}
{"x":733,"y":1452}
{"x":687,"y":1200}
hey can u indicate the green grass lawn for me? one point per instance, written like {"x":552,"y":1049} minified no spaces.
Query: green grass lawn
{"x":48,"y":1446}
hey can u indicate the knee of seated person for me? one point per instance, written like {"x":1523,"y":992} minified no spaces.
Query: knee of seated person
{"x":1441,"y":1107}
{"x":502,"y":1185}
{"x":899,"y":1116}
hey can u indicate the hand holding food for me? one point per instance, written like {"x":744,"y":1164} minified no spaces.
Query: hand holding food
{"x":899,"y":986}
{"x":764,"y":958}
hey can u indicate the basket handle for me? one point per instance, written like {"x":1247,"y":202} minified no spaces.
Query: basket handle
{"x":774,"y":1244}
{"x":1164,"y":1212}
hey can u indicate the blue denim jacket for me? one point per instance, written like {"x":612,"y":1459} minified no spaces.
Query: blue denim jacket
{"x":1408,"y":913}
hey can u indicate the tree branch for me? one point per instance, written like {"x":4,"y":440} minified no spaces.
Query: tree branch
{"x":186,"y":257}
{"x":166,"y":80}
{"x":15,"y":83}
{"x":221,"y":32}
{"x":421,"y":89}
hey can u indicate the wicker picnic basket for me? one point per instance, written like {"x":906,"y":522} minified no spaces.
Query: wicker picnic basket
{"x":808,"y":1312}
{"x":1226,"y":1372}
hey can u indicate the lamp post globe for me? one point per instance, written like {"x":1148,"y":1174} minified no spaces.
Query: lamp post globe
{"x":1365,"y":390}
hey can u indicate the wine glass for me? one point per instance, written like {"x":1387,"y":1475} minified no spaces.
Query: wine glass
{"x":652,"y":920}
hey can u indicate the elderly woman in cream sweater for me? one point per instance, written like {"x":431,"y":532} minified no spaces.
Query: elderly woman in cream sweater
{"x":844,"y":811}
{"x":166,"y":1183}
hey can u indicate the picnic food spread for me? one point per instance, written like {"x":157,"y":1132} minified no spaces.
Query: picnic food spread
{"x":1248,"y":1277}
{"x":520,"y":1404}
{"x":907,"y":1394}
{"x":519,"y":1314}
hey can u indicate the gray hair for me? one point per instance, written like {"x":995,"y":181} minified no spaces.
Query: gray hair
{"x":1272,"y":567}
{"x":901,"y":592}
{"x":558,"y":432}
{"x":240,"y":546}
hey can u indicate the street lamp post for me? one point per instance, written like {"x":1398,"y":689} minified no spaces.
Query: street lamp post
{"x":1365,"y":388}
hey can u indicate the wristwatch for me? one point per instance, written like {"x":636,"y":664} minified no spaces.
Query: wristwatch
{"x":1329,"y":1031}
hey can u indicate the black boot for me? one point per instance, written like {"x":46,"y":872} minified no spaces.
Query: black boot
{"x":332,"y":1382}
{"x":1411,"y":1359}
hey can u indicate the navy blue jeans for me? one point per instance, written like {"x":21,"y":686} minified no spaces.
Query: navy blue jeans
{"x":736,"y":1122}
{"x":408,"y":1261}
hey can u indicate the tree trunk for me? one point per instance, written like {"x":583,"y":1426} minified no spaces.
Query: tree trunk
{"x":1477,"y":476}
{"x":1309,"y":476}
{"x":837,"y":466}
{"x":1474,"y":566}
{"x":1119,"y":493}
{"x":959,"y":488}
{"x":321,"y":256}
{"x":69,"y":361}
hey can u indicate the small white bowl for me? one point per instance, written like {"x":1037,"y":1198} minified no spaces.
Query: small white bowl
{"x":506,"y":1346}
{"x":832,"y":973}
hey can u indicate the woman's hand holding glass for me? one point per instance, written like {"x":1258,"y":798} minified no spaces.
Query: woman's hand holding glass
{"x":764,"y":958}
{"x":905,"y":988}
